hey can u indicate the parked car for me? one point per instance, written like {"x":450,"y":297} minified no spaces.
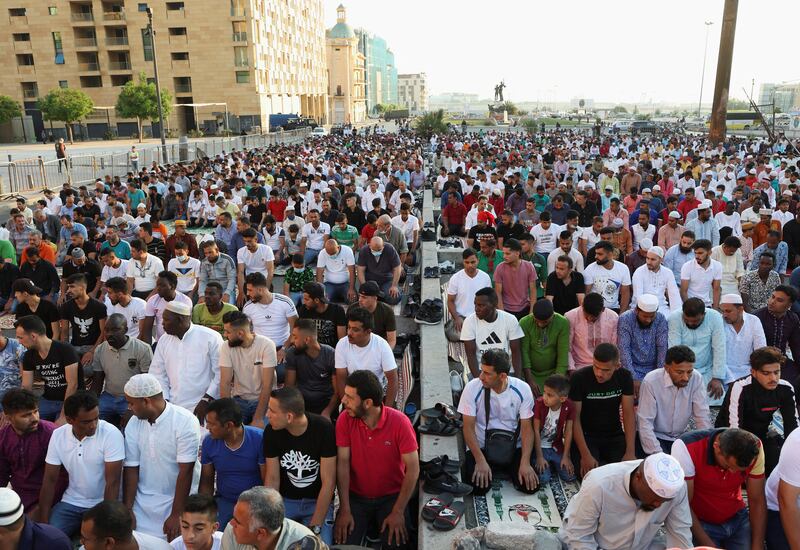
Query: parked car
{"x":319,"y":131}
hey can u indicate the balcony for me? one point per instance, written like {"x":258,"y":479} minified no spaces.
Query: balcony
{"x":26,"y":69}
{"x":88,"y":42}
{"x":183,"y":88}
{"x":80,"y":17}
{"x":116,"y":41}
{"x":179,"y":39}
{"x":178,"y":64}
{"x":91,"y":67}
{"x":30,"y":93}
{"x":119,"y":65}
{"x":22,"y":45}
{"x":18,"y":19}
{"x":113,"y":16}
{"x":240,"y":37}
{"x":241,"y":63}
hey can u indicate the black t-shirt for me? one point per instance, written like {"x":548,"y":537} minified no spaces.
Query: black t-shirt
{"x":514,"y":231}
{"x":90,"y":212}
{"x":565,"y":297}
{"x":479,"y":233}
{"x":256,"y":213}
{"x":85,"y":323}
{"x":52,"y":369}
{"x":47,"y":312}
{"x":314,"y":376}
{"x":90,"y":268}
{"x":384,"y":320}
{"x":326,"y":322}
{"x":600,"y":403}
{"x":299,"y":457}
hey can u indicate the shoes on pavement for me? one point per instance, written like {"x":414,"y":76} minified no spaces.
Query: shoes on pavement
{"x":443,"y":482}
{"x":430,"y":312}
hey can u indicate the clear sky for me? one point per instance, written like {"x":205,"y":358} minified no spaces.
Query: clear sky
{"x":617,"y":50}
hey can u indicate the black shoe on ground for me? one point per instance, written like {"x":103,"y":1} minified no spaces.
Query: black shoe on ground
{"x":428,"y":235}
{"x":430,"y":312}
{"x":443,"y":482}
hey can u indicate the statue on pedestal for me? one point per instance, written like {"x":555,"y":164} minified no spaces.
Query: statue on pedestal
{"x":498,"y":91}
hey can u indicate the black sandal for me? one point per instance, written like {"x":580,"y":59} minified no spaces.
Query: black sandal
{"x":437,"y":426}
{"x":435,"y":505}
{"x":449,"y":517}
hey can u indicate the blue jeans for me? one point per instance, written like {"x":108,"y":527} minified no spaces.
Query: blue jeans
{"x":337,"y":292}
{"x":310,"y":256}
{"x":301,"y":511}
{"x":112,"y":408}
{"x":14,"y":303}
{"x":734,"y":534}
{"x":296,"y":297}
{"x":67,"y":518}
{"x":248,"y":409}
{"x":776,"y":537}
{"x":224,"y":511}
{"x":49,"y":410}
{"x":387,"y":298}
{"x":553,"y":458}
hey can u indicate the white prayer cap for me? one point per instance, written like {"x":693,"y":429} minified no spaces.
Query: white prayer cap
{"x":647,"y":303}
{"x":731,"y":299}
{"x":609,"y":188}
{"x":142,"y":385}
{"x":179,"y":308}
{"x":752,"y":170}
{"x":141,"y":205}
{"x":11,"y":508}
{"x":704,"y":204}
{"x":787,"y":193}
{"x":765,"y":212}
{"x":657,"y":250}
{"x":664,"y":475}
{"x":617,"y":222}
{"x":676,"y":191}
{"x":656,"y":187}
{"x":646,"y":244}
{"x":675,"y":214}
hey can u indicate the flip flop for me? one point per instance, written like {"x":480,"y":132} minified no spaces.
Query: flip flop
{"x":431,"y":413}
{"x":449,"y":517}
{"x":438,"y":427}
{"x":435,"y":505}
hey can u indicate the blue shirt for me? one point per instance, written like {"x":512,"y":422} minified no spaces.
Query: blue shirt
{"x":10,"y":360}
{"x":641,"y":349}
{"x":65,"y":233}
{"x":781,"y":257}
{"x":226,"y":236}
{"x":236,"y":470}
{"x":40,"y":536}
{"x":674,"y":260}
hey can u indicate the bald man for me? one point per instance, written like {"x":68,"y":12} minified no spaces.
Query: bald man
{"x":380,"y":262}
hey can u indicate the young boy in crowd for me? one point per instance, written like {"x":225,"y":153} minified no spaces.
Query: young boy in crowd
{"x":296,"y":277}
{"x":292,"y":243}
{"x":553,"y":415}
{"x":199,"y":525}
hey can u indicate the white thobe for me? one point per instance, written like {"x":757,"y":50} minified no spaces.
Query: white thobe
{"x":660,"y":284}
{"x":739,"y":346}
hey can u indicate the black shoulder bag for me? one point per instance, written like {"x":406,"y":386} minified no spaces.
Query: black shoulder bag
{"x":499,"y":445}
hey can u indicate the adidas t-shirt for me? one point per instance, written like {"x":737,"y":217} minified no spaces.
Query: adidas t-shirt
{"x":255,"y":262}
{"x":606,"y":282}
{"x":187,"y":273}
{"x":495,"y":335}
{"x":272,"y":319}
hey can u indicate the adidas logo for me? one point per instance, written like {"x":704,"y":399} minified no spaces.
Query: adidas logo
{"x":492,"y":339}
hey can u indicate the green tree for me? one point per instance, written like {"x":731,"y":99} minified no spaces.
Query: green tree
{"x":581,"y":103}
{"x":8,"y":109}
{"x":66,"y":105}
{"x":738,"y":104}
{"x":139,"y":100}
{"x":431,"y":123}
{"x":530,"y":125}
{"x":508,"y":106}
{"x":619,"y":109}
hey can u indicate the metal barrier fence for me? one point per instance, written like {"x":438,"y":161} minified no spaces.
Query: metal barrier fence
{"x":36,"y":173}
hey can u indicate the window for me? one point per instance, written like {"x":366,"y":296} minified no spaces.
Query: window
{"x":120,"y":79}
{"x":22,"y":37}
{"x":242,"y":77}
{"x":147,"y":43}
{"x":58,"y":47}
{"x":63,"y":84}
{"x":17,"y":12}
{"x":174,"y":6}
{"x":25,"y":59}
{"x":52,"y":10}
{"x":30,"y":90}
{"x":180,"y":56}
{"x":91,"y":82}
{"x":240,"y":57}
{"x":142,"y":7}
{"x":177,"y":31}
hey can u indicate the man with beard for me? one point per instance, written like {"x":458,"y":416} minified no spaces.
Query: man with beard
{"x":642,"y":339}
{"x":782,"y":326}
{"x":624,"y":505}
{"x":655,"y":279}
{"x":669,"y":398}
{"x":702,"y":330}
{"x":679,"y":254}
{"x":166,"y":293}
{"x":743,"y":335}
{"x":702,"y":278}
{"x":704,"y":226}
{"x":310,"y":366}
{"x":247,"y":364}
{"x":115,"y":361}
{"x":329,"y":318}
{"x":609,"y":278}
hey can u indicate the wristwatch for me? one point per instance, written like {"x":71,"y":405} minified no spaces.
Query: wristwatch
{"x":316,"y":529}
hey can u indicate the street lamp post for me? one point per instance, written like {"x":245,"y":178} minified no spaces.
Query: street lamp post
{"x":152,"y":34}
{"x":703,"y":75}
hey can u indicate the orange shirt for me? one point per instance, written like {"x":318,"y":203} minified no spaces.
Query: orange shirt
{"x":46,"y":252}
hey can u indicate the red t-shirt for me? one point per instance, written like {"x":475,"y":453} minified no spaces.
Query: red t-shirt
{"x":277,"y":209}
{"x":456,"y":215}
{"x":376,"y":463}
{"x":368,"y":232}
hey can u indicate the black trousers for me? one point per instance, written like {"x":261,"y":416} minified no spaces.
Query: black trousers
{"x":497,"y":473}
{"x":368,"y":516}
{"x":606,"y":450}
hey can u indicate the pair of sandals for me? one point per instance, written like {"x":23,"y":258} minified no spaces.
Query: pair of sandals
{"x":443,"y":512}
{"x":441,"y":419}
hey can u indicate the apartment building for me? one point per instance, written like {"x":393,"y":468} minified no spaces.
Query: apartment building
{"x":412,"y":92}
{"x":240,"y":59}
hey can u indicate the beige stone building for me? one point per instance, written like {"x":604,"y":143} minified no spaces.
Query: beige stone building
{"x":346,"y":73}
{"x":249,"y":58}
{"x":412,"y":92}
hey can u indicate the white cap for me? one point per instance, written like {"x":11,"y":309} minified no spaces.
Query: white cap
{"x":11,"y":508}
{"x":617,"y":222}
{"x":664,"y":475}
{"x":646,"y":244}
{"x":590,"y":184}
{"x":142,"y":385}
{"x":752,"y":171}
{"x":141,"y":205}
{"x":675,"y":215}
{"x":647,"y":303}
{"x":657,"y":250}
{"x":656,"y":187}
{"x":704,"y":204}
{"x":496,"y":191}
{"x":609,"y":188}
{"x":731,"y":299}
{"x":765,"y":211}
{"x":676,"y":191}
{"x":787,"y":193}
{"x":179,"y":308}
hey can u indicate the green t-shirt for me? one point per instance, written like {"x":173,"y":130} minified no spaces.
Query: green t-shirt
{"x":540,"y":265}
{"x":201,"y":316}
{"x":296,"y":280}
{"x":489,"y":267}
{"x":7,"y":251}
{"x":346,"y":237}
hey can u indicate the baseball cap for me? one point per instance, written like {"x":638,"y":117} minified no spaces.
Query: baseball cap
{"x":370,"y":288}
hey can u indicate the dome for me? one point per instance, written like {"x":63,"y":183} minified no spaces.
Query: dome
{"x":341,"y":30}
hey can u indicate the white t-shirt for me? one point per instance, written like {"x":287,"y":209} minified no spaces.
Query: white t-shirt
{"x":376,"y":357}
{"x":315,"y":235}
{"x":149,"y":542}
{"x":550,"y":428}
{"x":464,"y":287}
{"x":144,"y":276}
{"x":506,"y":409}
{"x":546,"y":239}
{"x":787,"y":470}
{"x":255,"y":262}
{"x":133,"y":313}
{"x":494,"y":335}
{"x":607,"y":282}
{"x":111,"y":272}
{"x":178,"y":543}
{"x":406,"y":227}
{"x":700,"y":279}
{"x":272,"y":319}
{"x":187,"y":272}
{"x":336,"y":268}
{"x":85,"y":461}
{"x":155,"y":308}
